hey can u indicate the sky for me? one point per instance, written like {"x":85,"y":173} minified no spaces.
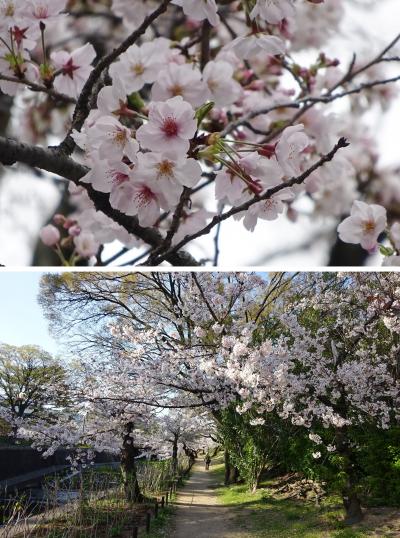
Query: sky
{"x":21,"y":317}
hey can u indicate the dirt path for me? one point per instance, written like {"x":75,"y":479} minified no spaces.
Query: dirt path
{"x":198,"y":511}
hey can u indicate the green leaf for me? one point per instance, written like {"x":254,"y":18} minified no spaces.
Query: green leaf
{"x":203,"y":111}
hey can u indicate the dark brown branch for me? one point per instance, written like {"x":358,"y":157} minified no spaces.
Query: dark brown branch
{"x":205,"y":44}
{"x":176,"y":220}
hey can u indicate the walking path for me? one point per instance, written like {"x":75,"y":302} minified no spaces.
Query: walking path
{"x":199,"y":513}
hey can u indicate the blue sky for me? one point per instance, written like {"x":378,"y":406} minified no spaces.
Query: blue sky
{"x":21,"y":318}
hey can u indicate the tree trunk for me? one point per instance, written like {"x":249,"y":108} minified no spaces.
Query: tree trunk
{"x":128,"y":466}
{"x":352,"y":505}
{"x":175,"y":455}
{"x":351,"y":502}
{"x":256,"y":481}
{"x":227,"y":462}
{"x":234,"y":475}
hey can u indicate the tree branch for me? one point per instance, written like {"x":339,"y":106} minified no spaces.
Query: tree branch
{"x":342,"y":143}
{"x":52,"y":161}
{"x":40,"y":88}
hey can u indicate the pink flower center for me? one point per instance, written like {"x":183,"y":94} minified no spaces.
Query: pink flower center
{"x":69,"y":68}
{"x":144,"y":196}
{"x":170,"y":128}
{"x":119,"y":177}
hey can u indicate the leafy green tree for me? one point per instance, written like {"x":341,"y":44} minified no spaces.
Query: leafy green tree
{"x":32,"y":382}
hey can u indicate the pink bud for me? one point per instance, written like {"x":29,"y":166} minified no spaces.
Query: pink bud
{"x":68,"y":223}
{"x":74,"y":231}
{"x":49,"y":235}
{"x":59,"y":219}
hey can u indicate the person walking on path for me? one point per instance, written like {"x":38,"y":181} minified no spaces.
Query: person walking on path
{"x":207,"y":459}
{"x":199,"y":512}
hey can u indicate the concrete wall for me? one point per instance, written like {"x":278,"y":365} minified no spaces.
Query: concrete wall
{"x":16,"y":460}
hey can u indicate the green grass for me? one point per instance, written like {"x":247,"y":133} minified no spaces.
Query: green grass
{"x":263,"y":515}
{"x":160,"y":527}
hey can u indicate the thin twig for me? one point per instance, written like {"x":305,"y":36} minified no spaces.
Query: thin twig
{"x":39,"y":88}
{"x":216,"y":240}
{"x":82,"y":107}
{"x":342,"y":143}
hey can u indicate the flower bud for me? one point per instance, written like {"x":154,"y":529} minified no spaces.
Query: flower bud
{"x":49,"y":235}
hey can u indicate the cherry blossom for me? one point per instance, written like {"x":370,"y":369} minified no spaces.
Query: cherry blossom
{"x":246,"y":47}
{"x":175,"y":171}
{"x":268,"y":209}
{"x":11,"y":14}
{"x":365,"y":224}
{"x":224,"y":111}
{"x":137,"y":67}
{"x":45,"y":11}
{"x":108,"y":175}
{"x":253,"y":174}
{"x":206,"y":9}
{"x":171,"y":125}
{"x":133,"y":12}
{"x":224,"y":89}
{"x":75,"y":68}
{"x":183,"y":80}
{"x":111,"y":139}
{"x":113,"y":100}
{"x":273,"y":11}
{"x":141,"y":198}
{"x":289,"y":148}
{"x":86,"y":245}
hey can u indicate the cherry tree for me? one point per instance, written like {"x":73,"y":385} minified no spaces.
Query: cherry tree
{"x":111,"y":411}
{"x":187,"y":431}
{"x":335,"y":368}
{"x":310,"y":353}
{"x":166,"y":119}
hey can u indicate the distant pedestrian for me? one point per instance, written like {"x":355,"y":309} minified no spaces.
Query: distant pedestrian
{"x":207,"y":459}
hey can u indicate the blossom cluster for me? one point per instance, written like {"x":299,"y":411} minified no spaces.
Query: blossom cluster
{"x":177,"y":130}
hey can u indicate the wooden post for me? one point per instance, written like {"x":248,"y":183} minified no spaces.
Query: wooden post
{"x":156,"y":509}
{"x":148,"y":522}
{"x":135,"y":532}
{"x":162,"y":502}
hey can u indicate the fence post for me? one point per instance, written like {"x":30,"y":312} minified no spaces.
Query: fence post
{"x":135,"y":532}
{"x":148,"y":522}
{"x":162,"y":502}
{"x":156,"y":509}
